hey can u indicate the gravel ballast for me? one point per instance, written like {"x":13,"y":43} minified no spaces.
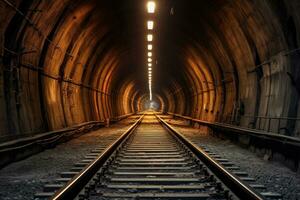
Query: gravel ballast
{"x":275,"y":176}
{"x":21,"y":180}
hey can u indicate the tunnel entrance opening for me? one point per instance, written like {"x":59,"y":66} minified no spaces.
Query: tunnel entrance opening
{"x":151,"y":105}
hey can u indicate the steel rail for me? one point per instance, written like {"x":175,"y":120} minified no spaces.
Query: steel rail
{"x":77,"y":183}
{"x":240,"y":189}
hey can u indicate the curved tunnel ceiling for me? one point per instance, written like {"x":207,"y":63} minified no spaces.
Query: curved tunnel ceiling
{"x":67,"y":62}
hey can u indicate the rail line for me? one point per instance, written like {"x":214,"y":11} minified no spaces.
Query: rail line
{"x":151,"y":160}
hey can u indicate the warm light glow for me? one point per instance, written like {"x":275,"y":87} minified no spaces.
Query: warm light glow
{"x":150,"y":25}
{"x":150,"y":37}
{"x":151,"y":6}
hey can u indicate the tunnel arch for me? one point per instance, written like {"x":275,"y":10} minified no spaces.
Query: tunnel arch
{"x":64,"y":63}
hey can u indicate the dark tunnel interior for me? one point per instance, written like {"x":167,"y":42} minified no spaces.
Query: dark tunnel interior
{"x":74,"y":61}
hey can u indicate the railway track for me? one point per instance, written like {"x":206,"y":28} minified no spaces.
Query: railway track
{"x":151,"y":161}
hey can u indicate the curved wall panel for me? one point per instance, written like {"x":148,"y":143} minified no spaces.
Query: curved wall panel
{"x":68,"y":62}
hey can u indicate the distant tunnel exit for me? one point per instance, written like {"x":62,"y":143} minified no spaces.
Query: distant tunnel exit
{"x":151,"y":105}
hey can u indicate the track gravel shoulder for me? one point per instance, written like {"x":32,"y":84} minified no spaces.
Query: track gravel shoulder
{"x":21,"y":180}
{"x":274,"y":175}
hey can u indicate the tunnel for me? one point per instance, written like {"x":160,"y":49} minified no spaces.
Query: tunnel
{"x":220,"y":66}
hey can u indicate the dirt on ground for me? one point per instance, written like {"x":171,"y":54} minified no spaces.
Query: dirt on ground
{"x":21,"y":180}
{"x":274,"y":175}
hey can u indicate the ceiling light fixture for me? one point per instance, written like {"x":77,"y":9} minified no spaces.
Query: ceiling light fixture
{"x":149,"y":37}
{"x":150,"y":25}
{"x":151,"y":6}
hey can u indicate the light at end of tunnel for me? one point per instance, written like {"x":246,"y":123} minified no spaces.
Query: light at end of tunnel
{"x":150,"y":47}
{"x":150,"y":93}
{"x":149,"y":37}
{"x":149,"y":54}
{"x":151,"y":6}
{"x":150,"y":25}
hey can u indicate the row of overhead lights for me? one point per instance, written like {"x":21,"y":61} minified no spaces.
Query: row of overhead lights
{"x":150,"y":26}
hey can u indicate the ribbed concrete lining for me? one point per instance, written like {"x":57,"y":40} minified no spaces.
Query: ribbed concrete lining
{"x":68,"y":62}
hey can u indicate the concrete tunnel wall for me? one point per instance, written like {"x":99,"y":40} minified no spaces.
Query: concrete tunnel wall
{"x":59,"y":67}
{"x":68,"y":62}
{"x":240,"y":60}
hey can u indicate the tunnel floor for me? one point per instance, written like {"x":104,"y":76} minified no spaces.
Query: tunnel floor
{"x":23,"y":179}
{"x":274,"y":175}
